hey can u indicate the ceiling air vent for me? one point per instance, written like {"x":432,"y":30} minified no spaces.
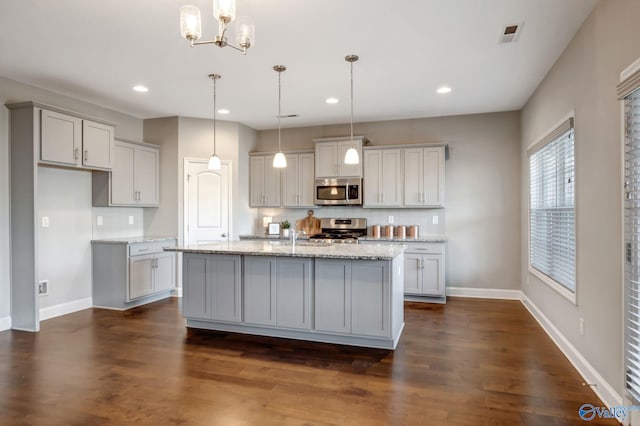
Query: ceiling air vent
{"x":510,"y":33}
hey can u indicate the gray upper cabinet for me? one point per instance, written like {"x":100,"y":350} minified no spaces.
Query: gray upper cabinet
{"x":424,"y":176}
{"x":73,"y":141}
{"x":264,"y":181}
{"x":134,"y":180}
{"x":298,"y":180}
{"x":383,"y":178}
{"x":330,"y":154}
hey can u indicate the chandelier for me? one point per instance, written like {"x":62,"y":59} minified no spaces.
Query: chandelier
{"x":225,"y":12}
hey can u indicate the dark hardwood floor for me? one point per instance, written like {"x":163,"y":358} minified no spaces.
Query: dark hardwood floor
{"x":469,"y":362}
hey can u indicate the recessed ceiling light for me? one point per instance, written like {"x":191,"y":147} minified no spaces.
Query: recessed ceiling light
{"x":332,"y":100}
{"x":223,"y":111}
{"x":444,"y":89}
{"x":140,"y":88}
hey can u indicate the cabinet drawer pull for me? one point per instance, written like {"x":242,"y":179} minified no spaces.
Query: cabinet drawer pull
{"x":76,"y":154}
{"x":421,"y":248}
{"x":143,"y":249}
{"x":86,"y":155}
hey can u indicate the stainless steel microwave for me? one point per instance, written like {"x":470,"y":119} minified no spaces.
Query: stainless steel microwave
{"x":338,"y":192}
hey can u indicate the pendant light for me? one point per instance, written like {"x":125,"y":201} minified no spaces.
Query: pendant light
{"x":279,"y":161}
{"x":214,"y":160}
{"x":351,"y":156}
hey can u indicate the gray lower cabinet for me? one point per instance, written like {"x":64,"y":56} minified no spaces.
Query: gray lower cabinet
{"x":277,"y":291}
{"x":424,"y":270}
{"x":126,"y":275}
{"x":212,"y":287}
{"x":352,"y":297}
{"x":333,"y":295}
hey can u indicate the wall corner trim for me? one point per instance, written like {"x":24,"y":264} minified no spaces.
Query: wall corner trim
{"x":5,"y":323}
{"x":603,"y":389}
{"x":65,"y":308}
{"x":484,"y":293}
{"x":177,"y":292}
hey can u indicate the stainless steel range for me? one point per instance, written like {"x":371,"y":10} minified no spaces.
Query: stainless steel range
{"x":341,"y":230}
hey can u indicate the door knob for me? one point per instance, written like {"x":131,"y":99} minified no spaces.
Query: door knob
{"x":223,"y":235}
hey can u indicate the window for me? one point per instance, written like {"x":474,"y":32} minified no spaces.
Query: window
{"x":629,"y":93}
{"x":552,"y":216}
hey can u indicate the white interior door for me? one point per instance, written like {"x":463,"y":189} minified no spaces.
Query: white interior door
{"x":207,"y":202}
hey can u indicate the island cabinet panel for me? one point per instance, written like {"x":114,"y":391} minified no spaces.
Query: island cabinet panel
{"x":226,"y":288}
{"x":293,"y":293}
{"x":196,"y":274}
{"x":260,"y":290}
{"x":370,"y":288}
{"x":333,"y":295}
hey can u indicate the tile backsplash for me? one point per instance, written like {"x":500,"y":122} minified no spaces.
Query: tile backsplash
{"x":424,"y":218}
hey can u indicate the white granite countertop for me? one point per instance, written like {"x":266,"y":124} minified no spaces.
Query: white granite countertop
{"x":301,"y":249}
{"x":132,"y":240}
{"x":434,"y":239}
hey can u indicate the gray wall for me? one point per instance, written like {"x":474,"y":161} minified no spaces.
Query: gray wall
{"x":11,"y":92}
{"x":482,"y":215}
{"x":584,"y":79}
{"x":184,"y":137}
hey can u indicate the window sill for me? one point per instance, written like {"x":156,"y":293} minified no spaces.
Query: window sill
{"x":559,"y":288}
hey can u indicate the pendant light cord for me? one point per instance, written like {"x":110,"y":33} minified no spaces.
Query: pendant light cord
{"x":279,"y":106}
{"x":351,"y":63}
{"x":214,"y":116}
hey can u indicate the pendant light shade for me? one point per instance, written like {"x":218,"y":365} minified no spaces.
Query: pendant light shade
{"x":214,"y":163}
{"x":279,"y":161}
{"x":214,"y":160}
{"x":351,"y":156}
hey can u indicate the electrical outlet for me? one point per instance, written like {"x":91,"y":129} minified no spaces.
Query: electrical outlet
{"x":390,"y":220}
{"x":43,"y":287}
{"x":582,"y":326}
{"x":45,"y":221}
{"x":130,"y":220}
{"x":99,"y":220}
{"x":434,"y":219}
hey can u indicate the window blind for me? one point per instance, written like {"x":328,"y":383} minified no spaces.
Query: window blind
{"x":632,"y":243}
{"x":552,"y":224}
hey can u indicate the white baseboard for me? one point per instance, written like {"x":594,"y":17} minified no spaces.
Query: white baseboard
{"x":177,"y":292}
{"x":484,"y":293}
{"x":65,"y":308}
{"x":5,"y":323}
{"x":603,"y":389}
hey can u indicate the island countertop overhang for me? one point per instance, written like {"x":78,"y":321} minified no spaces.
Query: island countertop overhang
{"x":268,"y":248}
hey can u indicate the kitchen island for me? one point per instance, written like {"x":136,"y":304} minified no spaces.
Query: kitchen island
{"x":335,"y":293}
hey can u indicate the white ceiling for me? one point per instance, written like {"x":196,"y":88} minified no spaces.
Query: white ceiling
{"x":96,"y":51}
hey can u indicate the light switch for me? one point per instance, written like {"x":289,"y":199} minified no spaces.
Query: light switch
{"x":99,"y":220}
{"x":390,"y":220}
{"x":434,"y":220}
{"x":45,"y":221}
{"x":130,"y":220}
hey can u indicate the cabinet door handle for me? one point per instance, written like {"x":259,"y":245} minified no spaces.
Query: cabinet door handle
{"x":417,"y":263}
{"x":422,"y":264}
{"x":76,"y":153}
{"x":223,"y":235}
{"x":86,"y":155}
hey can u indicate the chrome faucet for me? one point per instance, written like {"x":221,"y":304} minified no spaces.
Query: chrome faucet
{"x":292,"y":236}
